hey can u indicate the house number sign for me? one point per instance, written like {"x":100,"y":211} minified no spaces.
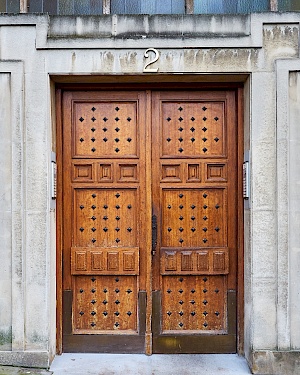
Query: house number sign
{"x":147,"y":68}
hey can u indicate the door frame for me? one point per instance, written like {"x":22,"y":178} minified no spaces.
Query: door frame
{"x":238,"y":87}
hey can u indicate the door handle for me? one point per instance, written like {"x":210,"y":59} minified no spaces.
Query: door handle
{"x":154,"y":234}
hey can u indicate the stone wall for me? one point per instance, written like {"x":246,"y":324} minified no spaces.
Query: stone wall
{"x":260,"y":50}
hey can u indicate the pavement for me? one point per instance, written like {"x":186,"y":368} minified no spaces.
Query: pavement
{"x":139,"y":364}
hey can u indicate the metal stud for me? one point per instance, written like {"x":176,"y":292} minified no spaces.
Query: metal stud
{"x":105,"y":313}
{"x":117,"y":324}
{"x":204,"y":290}
{"x":204,"y":195}
{"x":104,"y":290}
{"x":117,"y":207}
{"x":169,"y":119}
{"x":104,"y":302}
{"x":204,"y":139}
{"x":169,"y":229}
{"x":181,"y":240}
{"x":181,"y":302}
{"x":169,"y":206}
{"x":81,"y":229}
{"x":180,"y":195}
{"x":193,"y":229}
{"x":81,"y":119}
{"x":180,"y":129}
{"x":117,"y":279}
{"x":128,"y":119}
{"x":93,"y":240}
{"x":117,"y":119}
{"x":117,"y":313}
{"x":217,"y":313}
{"x":181,"y":279}
{"x":105,"y":139}
{"x":193,"y":118}
{"x":117,"y":290}
{"x":117,"y":302}
{"x":93,"y":129}
{"x":193,"y":139}
{"x":180,"y":109}
{"x":105,"y":206}
{"x":169,"y":139}
{"x":81,"y":207}
{"x":169,"y":291}
{"x":93,"y":301}
{"x":181,"y":229}
{"x":216,"y":118}
{"x":193,"y":313}
{"x":93,"y":119}
{"x":180,"y":149}
{"x":205,"y":313}
{"x":105,"y":119}
{"x":93,"y":218}
{"x":129,"y":206}
{"x":104,"y":129}
{"x":205,"y":279}
{"x":81,"y":139}
{"x":117,"y":229}
{"x":193,"y":218}
{"x":204,"y":149}
{"x":105,"y":229}
{"x":93,"y":207}
{"x":181,"y":206}
{"x":180,"y":291}
{"x":93,"y":279}
{"x":129,"y":313}
{"x":204,"y":129}
{"x":180,"y":139}
{"x":117,"y":149}
{"x":117,"y":109}
{"x":129,"y":139}
{"x":129,"y":229}
{"x":193,"y":206}
{"x":93,"y":139}
{"x":105,"y":218}
{"x":205,"y":324}
{"x":180,"y":324}
{"x":192,"y":129}
{"x":93,"y":149}
{"x":93,"y":313}
{"x":93,"y":324}
{"x":216,"y":139}
{"x":180,"y":313}
{"x":217,"y":206}
{"x":129,"y":291}
{"x":204,"y":108}
{"x":217,"y":229}
{"x":180,"y":217}
{"x":205,"y":218}
{"x":93,"y":109}
{"x":204,"y":118}
{"x":192,"y":302}
{"x":117,"y":129}
{"x":169,"y":313}
{"x":204,"y":229}
{"x":216,"y":290}
{"x":94,"y":195}
{"x":193,"y":291}
{"x":180,"y":119}
{"x":81,"y":313}
{"x":117,"y":240}
{"x":117,"y":140}
{"x":205,"y":302}
{"x":81,"y":290}
{"x":205,"y":206}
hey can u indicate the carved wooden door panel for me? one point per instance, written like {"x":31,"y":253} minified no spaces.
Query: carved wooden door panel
{"x":195,"y":202}
{"x":103,"y":221}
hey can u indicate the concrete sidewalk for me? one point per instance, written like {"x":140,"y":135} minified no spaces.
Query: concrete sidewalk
{"x":139,"y":364}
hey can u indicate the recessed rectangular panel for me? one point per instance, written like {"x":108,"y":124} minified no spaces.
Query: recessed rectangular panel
{"x":202,"y":261}
{"x":194,"y":217}
{"x":216,"y":172}
{"x":82,"y":172}
{"x":171,"y":173}
{"x":193,"y":171}
{"x":105,"y":172}
{"x":80,"y":260}
{"x":105,"y":129}
{"x":97,"y":261}
{"x":113,"y":261}
{"x":193,"y":129}
{"x":128,"y":172}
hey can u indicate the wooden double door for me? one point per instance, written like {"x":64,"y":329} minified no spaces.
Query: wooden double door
{"x":149,"y":221}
